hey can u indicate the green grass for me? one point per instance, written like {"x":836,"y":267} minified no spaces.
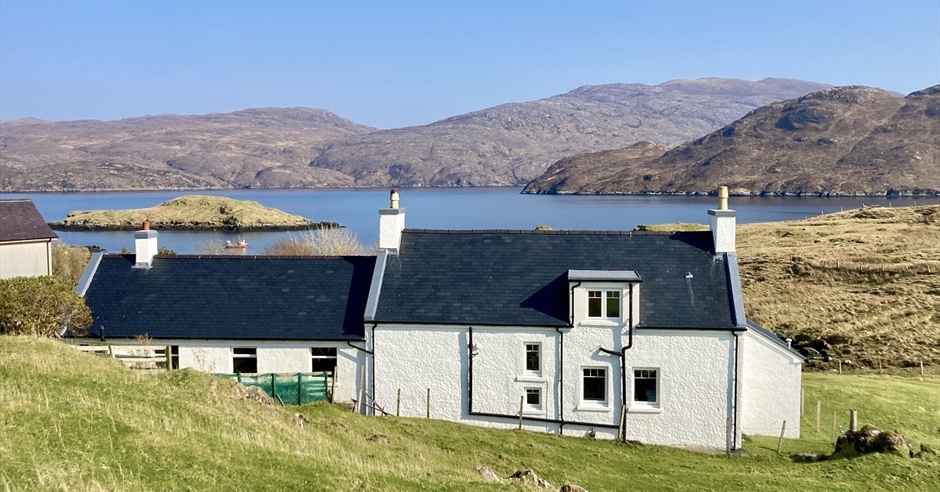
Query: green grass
{"x":70,"y":421}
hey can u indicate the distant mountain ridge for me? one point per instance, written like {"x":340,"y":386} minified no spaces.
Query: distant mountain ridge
{"x":509,"y":144}
{"x":853,"y":141}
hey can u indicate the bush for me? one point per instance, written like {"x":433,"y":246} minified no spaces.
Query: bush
{"x":318,"y":242}
{"x":68,"y":262}
{"x":41,"y":306}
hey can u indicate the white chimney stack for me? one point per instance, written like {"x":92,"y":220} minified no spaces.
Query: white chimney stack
{"x":723,"y":224}
{"x":391,"y":223}
{"x":145,"y":245}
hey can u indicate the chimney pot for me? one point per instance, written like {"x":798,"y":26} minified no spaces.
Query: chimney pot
{"x":722,"y":198}
{"x":393,"y":196}
{"x":146,"y":225}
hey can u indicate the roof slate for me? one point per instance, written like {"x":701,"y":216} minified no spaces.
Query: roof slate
{"x":21,"y":221}
{"x":231,"y":297}
{"x":516,"y":278}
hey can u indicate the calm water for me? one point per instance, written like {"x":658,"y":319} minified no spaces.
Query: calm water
{"x":441,"y":208}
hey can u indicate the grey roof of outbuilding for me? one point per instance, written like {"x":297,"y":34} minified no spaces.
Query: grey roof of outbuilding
{"x":231,"y":297}
{"x":519,"y":278}
{"x":21,"y":221}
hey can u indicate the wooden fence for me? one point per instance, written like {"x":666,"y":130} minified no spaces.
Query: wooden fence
{"x":138,"y":357}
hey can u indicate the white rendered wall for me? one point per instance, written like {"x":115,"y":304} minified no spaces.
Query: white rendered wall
{"x":26,"y":259}
{"x":391,"y":223}
{"x":215,"y":356}
{"x":772,"y":378}
{"x":723,"y":232}
{"x":695,"y":370}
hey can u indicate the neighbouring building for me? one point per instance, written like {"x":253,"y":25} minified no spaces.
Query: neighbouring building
{"x":235,"y":314}
{"x":25,"y":240}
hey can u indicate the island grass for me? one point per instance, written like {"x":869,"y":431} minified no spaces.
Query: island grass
{"x":71,"y":421}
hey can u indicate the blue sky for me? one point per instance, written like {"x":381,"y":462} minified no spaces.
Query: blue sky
{"x":391,"y":64}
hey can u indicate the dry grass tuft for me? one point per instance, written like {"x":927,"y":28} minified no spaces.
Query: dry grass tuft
{"x":318,"y":242}
{"x":862,"y":285}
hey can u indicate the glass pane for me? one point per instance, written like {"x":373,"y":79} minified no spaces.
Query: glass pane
{"x":248,"y":365}
{"x":325,"y":364}
{"x":323,"y":351}
{"x":594,"y":304}
{"x":533,"y":397}
{"x":532,"y":357}
{"x":613,"y":304}
{"x":644,"y":386}
{"x":244,"y":350}
{"x":595,"y":385}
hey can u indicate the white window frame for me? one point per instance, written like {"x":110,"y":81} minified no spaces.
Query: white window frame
{"x":636,"y":405}
{"x":534,"y":407}
{"x":594,"y":404}
{"x":245,"y":356}
{"x":604,"y":295}
{"x":525,"y":359}
{"x":335,"y":358}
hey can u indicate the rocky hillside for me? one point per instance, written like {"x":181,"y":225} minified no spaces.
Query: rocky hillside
{"x":513,"y":143}
{"x":294,"y":147}
{"x":839,"y":141}
{"x":268,"y":147}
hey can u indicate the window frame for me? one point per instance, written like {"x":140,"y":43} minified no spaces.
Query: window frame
{"x":252,"y":355}
{"x":604,"y":297}
{"x":314,"y":357}
{"x":605,"y":402}
{"x":657,"y":377}
{"x":534,"y":407}
{"x":525,"y":359}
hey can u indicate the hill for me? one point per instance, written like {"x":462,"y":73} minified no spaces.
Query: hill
{"x":854,"y":141}
{"x":72,"y":421}
{"x":861,"y":285}
{"x":192,"y":212}
{"x":511,"y":144}
{"x":266,"y":147}
{"x":309,"y":148}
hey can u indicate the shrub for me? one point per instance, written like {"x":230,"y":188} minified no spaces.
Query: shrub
{"x":68,"y":262}
{"x":41,"y":306}
{"x":318,"y":242}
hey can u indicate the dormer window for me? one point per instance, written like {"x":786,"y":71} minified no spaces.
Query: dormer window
{"x":604,"y":304}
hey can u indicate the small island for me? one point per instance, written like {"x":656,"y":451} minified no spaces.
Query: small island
{"x":192,"y":213}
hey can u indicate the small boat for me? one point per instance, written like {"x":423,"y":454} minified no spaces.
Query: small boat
{"x":241,"y":244}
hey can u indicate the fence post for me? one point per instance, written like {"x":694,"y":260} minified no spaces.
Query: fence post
{"x":783,"y":429}
{"x":333,"y":384}
{"x":818,"y":413}
{"x":274,"y":387}
{"x":398,"y":404}
{"x":921,"y":368}
{"x":727,"y":437}
{"x":853,"y":420}
{"x":521,"y":404}
{"x":801,"y":403}
{"x":169,"y":358}
{"x":300,"y":400}
{"x":832,"y":438}
{"x":428,"y":414}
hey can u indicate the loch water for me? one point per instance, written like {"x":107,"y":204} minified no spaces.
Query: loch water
{"x":439,"y":208}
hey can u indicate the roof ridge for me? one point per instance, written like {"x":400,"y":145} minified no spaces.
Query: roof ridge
{"x":557,"y":232}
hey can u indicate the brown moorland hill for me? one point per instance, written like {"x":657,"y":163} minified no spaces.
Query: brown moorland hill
{"x":860,"y":285}
{"x":511,"y":144}
{"x":854,"y":141}
{"x":266,"y":147}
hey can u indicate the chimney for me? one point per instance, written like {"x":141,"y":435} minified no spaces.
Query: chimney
{"x":723,"y":223}
{"x":391,"y":223}
{"x":145,"y":246}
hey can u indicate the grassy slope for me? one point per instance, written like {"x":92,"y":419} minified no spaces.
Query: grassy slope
{"x":865,"y":281}
{"x":195,"y":210}
{"x":70,"y":421}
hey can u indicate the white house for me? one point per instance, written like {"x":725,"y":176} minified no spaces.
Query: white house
{"x":585,"y":332}
{"x":25,"y":240}
{"x":578,"y":330}
{"x":235,"y":314}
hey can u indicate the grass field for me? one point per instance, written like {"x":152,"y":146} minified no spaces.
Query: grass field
{"x":70,"y":421}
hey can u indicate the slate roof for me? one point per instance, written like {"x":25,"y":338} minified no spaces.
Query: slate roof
{"x":231,"y":297}
{"x":519,"y":278}
{"x":21,"y":221}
